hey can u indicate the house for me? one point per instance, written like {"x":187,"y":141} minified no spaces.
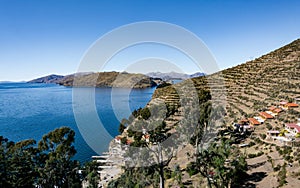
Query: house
{"x":265,"y":115}
{"x":288,"y":105}
{"x":147,"y":137}
{"x":129,"y":142}
{"x":271,"y":113}
{"x":253,"y":122}
{"x":259,"y":119}
{"x":293,"y":128}
{"x":244,"y":122}
{"x":282,"y":103}
{"x":272,"y":108}
{"x":275,"y":110}
{"x":118,"y":139}
{"x":242,"y":128}
{"x":291,"y":105}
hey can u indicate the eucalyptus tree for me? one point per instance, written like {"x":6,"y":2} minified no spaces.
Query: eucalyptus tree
{"x":17,"y":163}
{"x":56,"y":167}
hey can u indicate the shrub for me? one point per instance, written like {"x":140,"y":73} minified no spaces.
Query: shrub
{"x":164,"y":84}
{"x":263,"y":136}
{"x":269,"y":127}
{"x":191,"y":169}
{"x":145,"y":113}
{"x":282,"y":176}
{"x":251,"y":144}
{"x":276,"y":168}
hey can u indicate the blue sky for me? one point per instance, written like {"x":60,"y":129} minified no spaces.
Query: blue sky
{"x":40,"y":37}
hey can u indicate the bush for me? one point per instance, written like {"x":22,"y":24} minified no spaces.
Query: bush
{"x":253,"y":155}
{"x":191,"y":169}
{"x":269,"y":127}
{"x":145,"y":113}
{"x":251,"y":144}
{"x":277,"y":168}
{"x":282,"y":176}
{"x":263,"y":136}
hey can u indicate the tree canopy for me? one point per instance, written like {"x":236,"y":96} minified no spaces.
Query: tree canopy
{"x":47,"y":163}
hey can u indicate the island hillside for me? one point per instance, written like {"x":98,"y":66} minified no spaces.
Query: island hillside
{"x":255,"y":109}
{"x":100,"y":79}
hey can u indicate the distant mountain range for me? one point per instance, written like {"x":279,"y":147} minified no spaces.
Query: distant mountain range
{"x":5,"y":82}
{"x":174,"y":75}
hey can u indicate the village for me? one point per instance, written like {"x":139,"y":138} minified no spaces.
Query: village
{"x":272,"y":124}
{"x":269,"y":124}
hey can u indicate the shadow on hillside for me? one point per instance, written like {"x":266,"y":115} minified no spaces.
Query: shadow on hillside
{"x":256,"y":165}
{"x":251,"y":179}
{"x":257,"y":176}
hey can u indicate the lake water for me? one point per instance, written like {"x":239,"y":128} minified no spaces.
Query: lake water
{"x":32,"y":110}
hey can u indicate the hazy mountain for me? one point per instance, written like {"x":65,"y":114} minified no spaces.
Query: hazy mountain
{"x":53,"y":78}
{"x":173,"y":75}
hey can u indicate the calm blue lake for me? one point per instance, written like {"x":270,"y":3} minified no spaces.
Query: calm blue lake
{"x":28,"y":111}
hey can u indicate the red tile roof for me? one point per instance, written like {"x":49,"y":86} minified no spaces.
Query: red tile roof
{"x":272,"y":108}
{"x":266,"y":115}
{"x":294,"y":126}
{"x":254,"y":121}
{"x":243,"y":121}
{"x":292,"y":105}
{"x":128,"y":142}
{"x":277,"y":110}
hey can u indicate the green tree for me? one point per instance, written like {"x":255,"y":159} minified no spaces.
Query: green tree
{"x":145,"y":113}
{"x":55,"y":165}
{"x":91,"y":174}
{"x":221,"y":164}
{"x":17,"y":163}
{"x":23,"y":164}
{"x":5,"y":160}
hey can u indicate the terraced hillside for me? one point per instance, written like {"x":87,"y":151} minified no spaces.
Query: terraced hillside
{"x":264,"y":81}
{"x":242,"y":92}
{"x":250,"y":88}
{"x":254,"y":85}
